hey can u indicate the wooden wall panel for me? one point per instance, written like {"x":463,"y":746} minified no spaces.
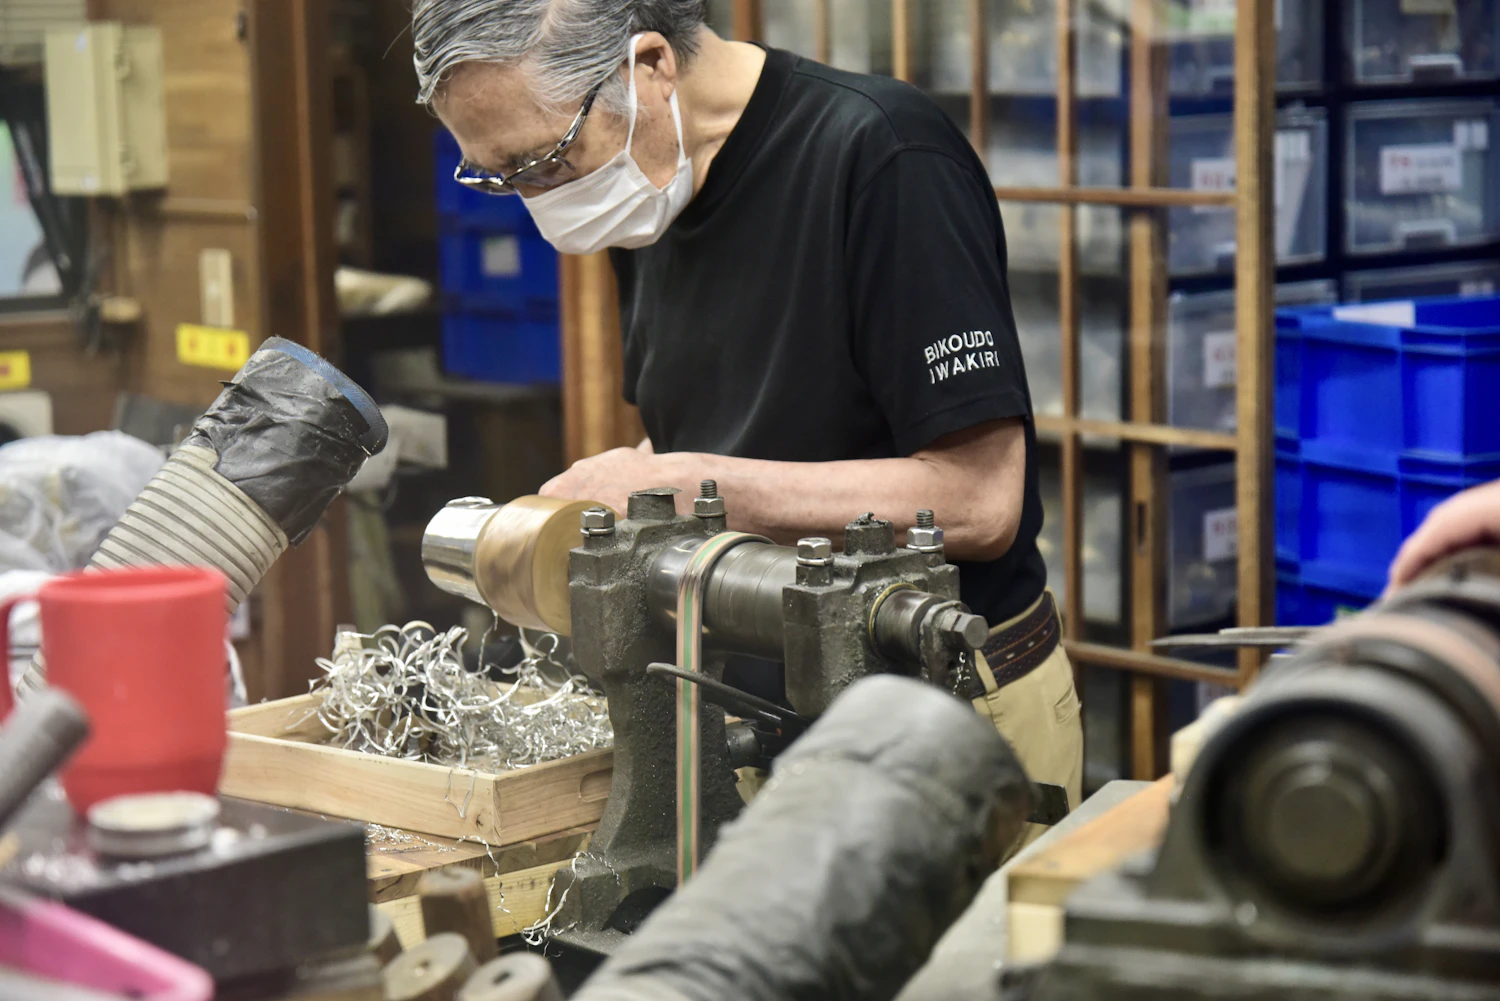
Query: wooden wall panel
{"x":82,"y":385}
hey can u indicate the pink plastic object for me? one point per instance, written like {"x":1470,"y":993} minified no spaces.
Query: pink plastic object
{"x":142,"y":650}
{"x":47,"y":939}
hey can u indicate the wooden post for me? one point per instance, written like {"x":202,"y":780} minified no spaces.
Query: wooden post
{"x":1148,"y":279}
{"x":596,"y":417}
{"x":749,"y":21}
{"x":979,"y":79}
{"x":1068,"y":323}
{"x":307,"y":593}
{"x":901,"y":39}
{"x":1254,"y":307}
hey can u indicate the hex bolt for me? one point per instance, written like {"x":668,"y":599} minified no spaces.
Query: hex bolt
{"x":964,"y":629}
{"x":708,"y":504}
{"x":814,"y":552}
{"x":925,"y":519}
{"x":598,"y":521}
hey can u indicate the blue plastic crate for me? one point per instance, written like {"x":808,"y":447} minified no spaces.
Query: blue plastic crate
{"x":457,"y":205}
{"x":1349,"y":520}
{"x":501,"y":347}
{"x":508,"y":272}
{"x":1382,"y":379}
{"x":1305,"y":599}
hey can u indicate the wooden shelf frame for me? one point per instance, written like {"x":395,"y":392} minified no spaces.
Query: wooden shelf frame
{"x":1145,"y":434}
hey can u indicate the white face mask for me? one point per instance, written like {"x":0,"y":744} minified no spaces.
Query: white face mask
{"x":616,"y":205}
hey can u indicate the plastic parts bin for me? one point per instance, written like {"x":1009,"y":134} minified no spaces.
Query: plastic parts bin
{"x":1202,"y":238}
{"x":1421,"y":175}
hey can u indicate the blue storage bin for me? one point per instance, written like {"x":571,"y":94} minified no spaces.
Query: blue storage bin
{"x":1382,"y":379}
{"x":510,"y":272}
{"x":457,"y":205}
{"x":501,"y":347}
{"x":1350,"y":520}
{"x":1305,"y":598}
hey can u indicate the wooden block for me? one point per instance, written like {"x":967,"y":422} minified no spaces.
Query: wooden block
{"x":516,"y":976}
{"x":432,"y":971}
{"x":1135,"y":826}
{"x":497,"y":808}
{"x":454,"y":900}
{"x":1034,"y":932}
{"x":517,"y":900}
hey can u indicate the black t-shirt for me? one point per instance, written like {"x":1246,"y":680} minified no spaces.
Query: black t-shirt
{"x":836,"y":290}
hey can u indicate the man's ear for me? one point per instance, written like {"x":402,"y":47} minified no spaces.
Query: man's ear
{"x":656,"y":65}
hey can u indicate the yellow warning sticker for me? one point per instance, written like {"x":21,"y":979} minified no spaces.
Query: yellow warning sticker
{"x":212,"y":347}
{"x":15,"y":370}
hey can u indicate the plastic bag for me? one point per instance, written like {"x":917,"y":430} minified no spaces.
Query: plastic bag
{"x":60,"y":496}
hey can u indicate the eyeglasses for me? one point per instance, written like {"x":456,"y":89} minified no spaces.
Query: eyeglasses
{"x":545,"y":172}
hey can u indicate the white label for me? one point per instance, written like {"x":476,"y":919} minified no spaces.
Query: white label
{"x":501,"y":257}
{"x":1220,"y":359}
{"x":1221,"y":534}
{"x":1213,"y":174}
{"x":1422,"y":169}
{"x":1472,"y":135}
{"x":1386,"y":314}
{"x":1479,"y":286}
{"x":1448,"y":8}
{"x":1211,"y":17}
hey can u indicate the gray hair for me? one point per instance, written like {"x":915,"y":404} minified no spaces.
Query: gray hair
{"x":567,"y":46}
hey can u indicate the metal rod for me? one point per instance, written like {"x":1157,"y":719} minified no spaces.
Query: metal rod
{"x":1146,"y":197}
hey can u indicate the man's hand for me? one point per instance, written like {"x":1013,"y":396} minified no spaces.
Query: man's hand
{"x":1471,"y":518}
{"x":611,"y":477}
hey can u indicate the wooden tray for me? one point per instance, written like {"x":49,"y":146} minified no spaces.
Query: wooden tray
{"x":276,"y":755}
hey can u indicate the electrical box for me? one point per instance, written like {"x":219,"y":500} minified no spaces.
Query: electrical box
{"x":106,"y":117}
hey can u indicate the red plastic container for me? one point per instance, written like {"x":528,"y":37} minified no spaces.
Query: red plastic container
{"x":142,"y":650}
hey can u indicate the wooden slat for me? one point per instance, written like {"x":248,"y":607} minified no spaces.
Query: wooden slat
{"x":1255,"y":277}
{"x":393,"y":875}
{"x":518,"y":900}
{"x":1148,"y":270}
{"x":901,"y":39}
{"x":749,"y":21}
{"x":1147,"y":663}
{"x":1145,"y":197}
{"x":822,"y":31}
{"x":979,"y":78}
{"x":295,"y":718}
{"x":596,"y":417}
{"x":500,"y":809}
{"x":1135,"y":826}
{"x":1069,"y":325}
{"x":1136,"y":431}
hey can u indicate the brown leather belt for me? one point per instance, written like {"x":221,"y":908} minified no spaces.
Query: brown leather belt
{"x":1016,"y":651}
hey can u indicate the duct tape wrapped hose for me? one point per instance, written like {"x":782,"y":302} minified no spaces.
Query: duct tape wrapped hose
{"x":254,"y":476}
{"x":874,"y":834}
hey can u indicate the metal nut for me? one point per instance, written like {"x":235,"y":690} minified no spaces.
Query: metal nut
{"x":925,"y":540}
{"x":708,"y":507}
{"x":814,"y":552}
{"x":598,"y":521}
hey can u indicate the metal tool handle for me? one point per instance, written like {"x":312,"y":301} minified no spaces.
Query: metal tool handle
{"x":35,"y":741}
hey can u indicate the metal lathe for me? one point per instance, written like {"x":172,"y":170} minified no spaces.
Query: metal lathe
{"x":633,"y":591}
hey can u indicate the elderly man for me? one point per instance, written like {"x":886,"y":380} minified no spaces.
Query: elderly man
{"x":812,"y":289}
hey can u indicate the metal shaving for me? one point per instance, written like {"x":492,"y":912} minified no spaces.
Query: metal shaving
{"x":404,"y":692}
{"x":390,"y":841}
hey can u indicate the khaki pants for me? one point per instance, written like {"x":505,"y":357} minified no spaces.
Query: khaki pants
{"x":1039,"y":716}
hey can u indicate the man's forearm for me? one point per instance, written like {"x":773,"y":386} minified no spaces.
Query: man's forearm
{"x":788,"y":500}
